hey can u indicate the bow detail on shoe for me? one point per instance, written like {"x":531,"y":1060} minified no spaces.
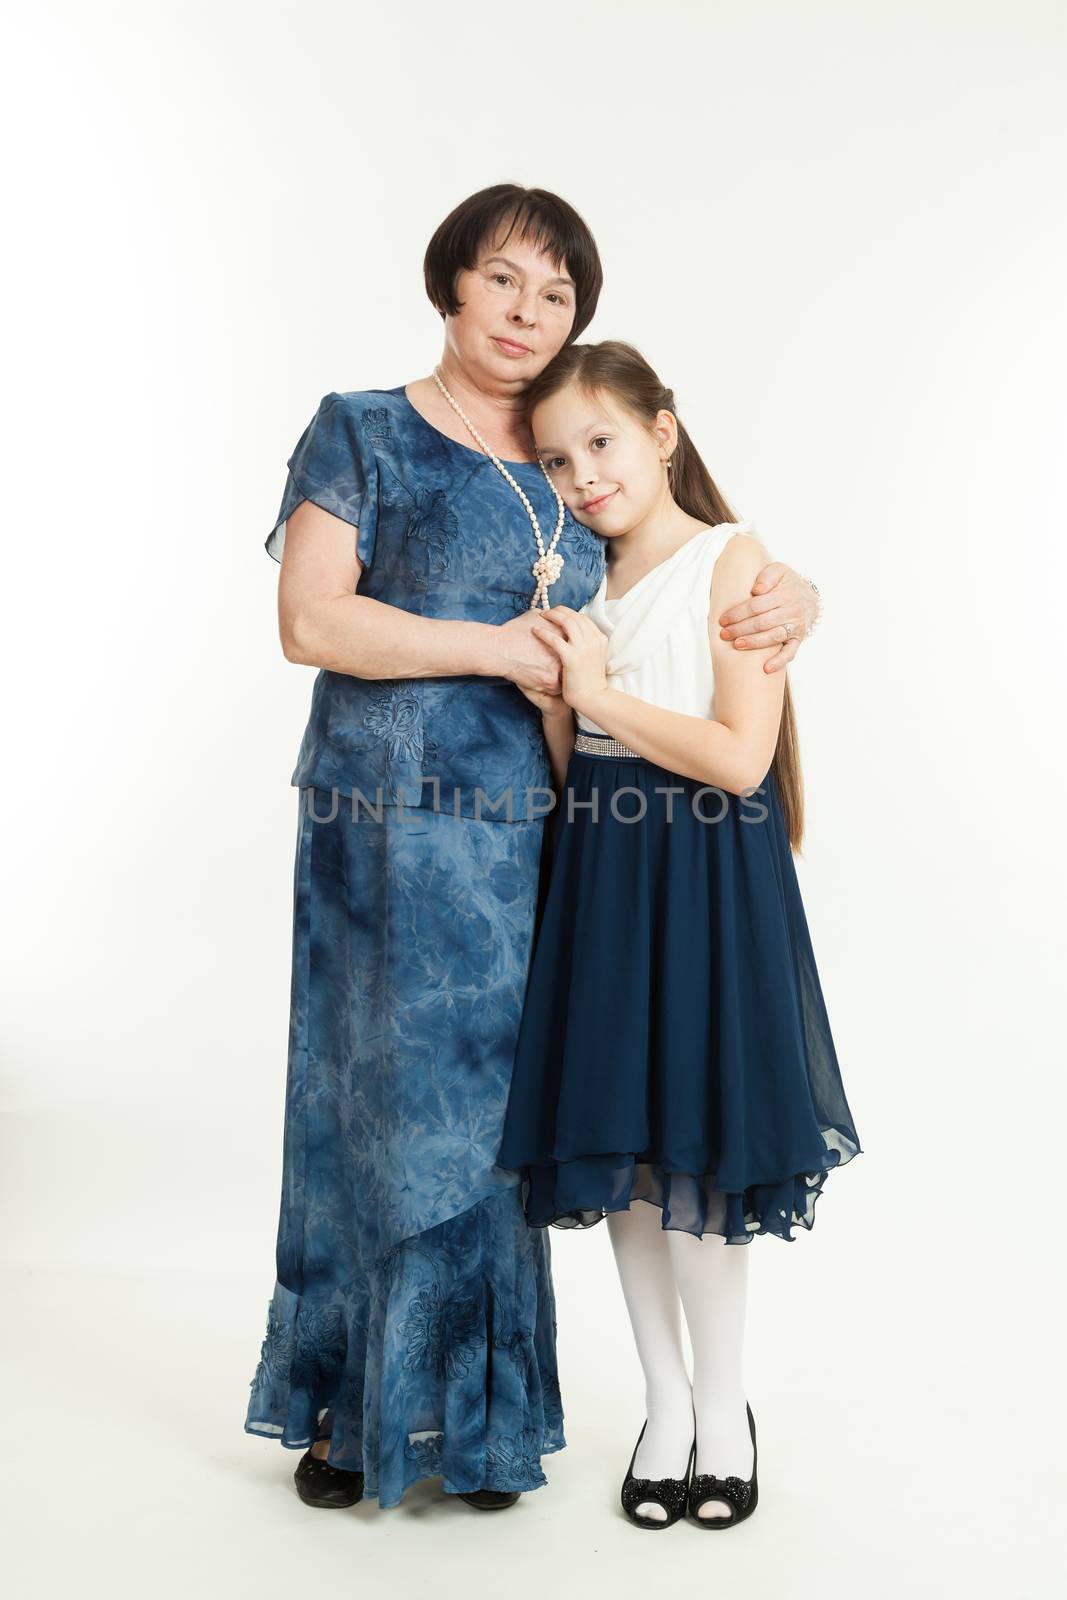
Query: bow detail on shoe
{"x":706,"y":1486}
{"x":670,"y":1493}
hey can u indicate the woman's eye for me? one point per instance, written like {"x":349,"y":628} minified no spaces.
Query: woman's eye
{"x":559,"y":298}
{"x":502,"y":277}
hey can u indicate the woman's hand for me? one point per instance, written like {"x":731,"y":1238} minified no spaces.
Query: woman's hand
{"x":780,"y":597}
{"x":524,"y":659}
{"x":582,"y":650}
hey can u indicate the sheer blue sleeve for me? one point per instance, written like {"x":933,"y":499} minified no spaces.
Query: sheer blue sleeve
{"x":333,"y":466}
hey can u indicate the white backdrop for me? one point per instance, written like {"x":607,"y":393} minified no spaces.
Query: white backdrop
{"x":837,"y":230}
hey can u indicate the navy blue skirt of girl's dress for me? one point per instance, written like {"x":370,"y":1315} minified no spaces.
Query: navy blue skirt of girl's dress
{"x":674,"y":1044}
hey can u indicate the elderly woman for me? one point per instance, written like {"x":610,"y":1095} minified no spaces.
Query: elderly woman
{"x":411,"y":1332}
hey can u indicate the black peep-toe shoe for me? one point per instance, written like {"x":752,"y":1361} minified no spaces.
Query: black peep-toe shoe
{"x":319,"y":1484}
{"x":670,"y":1493}
{"x":740,"y":1493}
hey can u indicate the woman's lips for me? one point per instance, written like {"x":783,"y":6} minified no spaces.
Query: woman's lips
{"x":595,"y":505}
{"x":511,"y":349}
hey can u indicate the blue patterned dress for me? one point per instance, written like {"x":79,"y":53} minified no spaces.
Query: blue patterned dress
{"x":412,"y":1318}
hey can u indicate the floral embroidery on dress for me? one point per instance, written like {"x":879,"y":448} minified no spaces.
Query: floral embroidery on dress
{"x":552,"y":1399}
{"x":514,"y":1340}
{"x":273,"y":1368}
{"x":442,"y":1335}
{"x":585,"y":549}
{"x":432,"y":520}
{"x":394,"y":715}
{"x":349,"y":1402}
{"x":426,"y":1453}
{"x":320,"y":1344}
{"x":519,"y":1344}
{"x":376,"y":421}
{"x":516,"y":1460}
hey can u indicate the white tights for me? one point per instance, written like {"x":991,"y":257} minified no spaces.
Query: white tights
{"x":662,"y":1271}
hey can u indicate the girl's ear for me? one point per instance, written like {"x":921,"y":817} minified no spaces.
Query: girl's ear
{"x":665,"y":428}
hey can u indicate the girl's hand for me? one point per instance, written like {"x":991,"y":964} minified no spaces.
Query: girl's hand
{"x":582,"y":650}
{"x":549,"y":705}
{"x":780,"y":597}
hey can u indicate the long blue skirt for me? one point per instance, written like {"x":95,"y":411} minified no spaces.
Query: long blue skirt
{"x":674,"y":1045}
{"x":412,"y":1319}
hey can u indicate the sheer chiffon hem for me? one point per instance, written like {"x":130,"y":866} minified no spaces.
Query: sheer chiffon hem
{"x":580,"y":1192}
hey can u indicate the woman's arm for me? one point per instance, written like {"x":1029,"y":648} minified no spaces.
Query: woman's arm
{"x":732,"y":752}
{"x":323,"y":622}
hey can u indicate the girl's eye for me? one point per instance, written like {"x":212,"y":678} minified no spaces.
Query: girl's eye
{"x":601,"y":438}
{"x":553,"y":462}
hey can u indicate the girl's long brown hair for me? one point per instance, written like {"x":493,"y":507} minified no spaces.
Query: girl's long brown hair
{"x":622,"y":370}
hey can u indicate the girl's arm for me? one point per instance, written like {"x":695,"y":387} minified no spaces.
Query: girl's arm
{"x":559,"y":736}
{"x":735,"y":750}
{"x":557,"y":723}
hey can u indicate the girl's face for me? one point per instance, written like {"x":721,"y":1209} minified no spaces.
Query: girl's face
{"x":517,"y":308}
{"x":607,"y":465}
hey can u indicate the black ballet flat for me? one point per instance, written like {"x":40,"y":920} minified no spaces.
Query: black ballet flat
{"x":319,"y":1484}
{"x":740,"y":1493}
{"x":490,"y":1499}
{"x":670,"y":1493}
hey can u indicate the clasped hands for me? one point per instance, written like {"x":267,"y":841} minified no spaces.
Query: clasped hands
{"x":779,"y":597}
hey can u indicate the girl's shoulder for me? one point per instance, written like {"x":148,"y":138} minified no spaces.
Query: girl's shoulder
{"x":742,"y":557}
{"x":734,"y":570}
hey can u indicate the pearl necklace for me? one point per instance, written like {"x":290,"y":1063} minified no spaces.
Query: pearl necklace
{"x":549,"y":564}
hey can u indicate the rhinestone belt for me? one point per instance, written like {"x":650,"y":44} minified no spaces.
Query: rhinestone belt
{"x":600,"y":744}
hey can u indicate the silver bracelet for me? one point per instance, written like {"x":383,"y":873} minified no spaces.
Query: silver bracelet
{"x":818,"y":603}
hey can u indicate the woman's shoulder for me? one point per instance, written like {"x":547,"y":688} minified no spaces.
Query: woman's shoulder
{"x":370,"y":406}
{"x":370,"y":425}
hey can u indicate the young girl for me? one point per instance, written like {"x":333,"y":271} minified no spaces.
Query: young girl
{"x":674,"y":1045}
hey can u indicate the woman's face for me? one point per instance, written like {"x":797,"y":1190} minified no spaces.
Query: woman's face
{"x":606,"y":464}
{"x":517,"y":310}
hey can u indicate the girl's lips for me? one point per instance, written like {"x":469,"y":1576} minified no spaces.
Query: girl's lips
{"x":595,"y":505}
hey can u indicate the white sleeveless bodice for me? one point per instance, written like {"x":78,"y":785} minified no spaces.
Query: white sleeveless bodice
{"x":657,"y":631}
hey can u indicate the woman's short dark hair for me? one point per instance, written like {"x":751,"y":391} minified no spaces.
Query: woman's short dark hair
{"x":547,"y":221}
